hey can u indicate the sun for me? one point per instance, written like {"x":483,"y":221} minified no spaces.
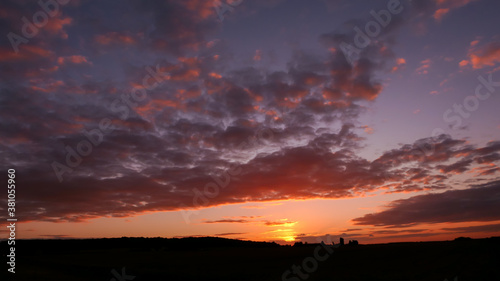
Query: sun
{"x":290,"y":238}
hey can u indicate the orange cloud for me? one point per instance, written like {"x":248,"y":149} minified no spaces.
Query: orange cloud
{"x":26,"y":52}
{"x":186,"y":76}
{"x":215,"y":75}
{"x":156,"y":105}
{"x":474,"y":43}
{"x":445,"y":6}
{"x":56,"y":26}
{"x":424,"y":67}
{"x":400,"y":62}
{"x":440,"y":13}
{"x":488,"y":55}
{"x":464,"y":63}
{"x":369,"y":130}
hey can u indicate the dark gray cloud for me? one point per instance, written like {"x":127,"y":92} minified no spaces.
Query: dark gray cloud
{"x":292,"y":133}
{"x":476,"y":228}
{"x":469,"y":205}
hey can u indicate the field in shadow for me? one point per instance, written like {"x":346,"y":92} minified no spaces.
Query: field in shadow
{"x":219,"y":259}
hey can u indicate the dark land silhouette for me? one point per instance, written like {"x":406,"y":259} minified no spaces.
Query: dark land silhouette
{"x":211,"y":258}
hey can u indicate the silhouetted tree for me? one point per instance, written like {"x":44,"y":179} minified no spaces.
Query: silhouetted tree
{"x":353,"y":242}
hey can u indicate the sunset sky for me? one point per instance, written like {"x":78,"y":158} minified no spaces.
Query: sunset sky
{"x":271,"y":120}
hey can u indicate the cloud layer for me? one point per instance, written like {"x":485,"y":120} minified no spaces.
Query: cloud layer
{"x":469,"y":205}
{"x":291,"y":133}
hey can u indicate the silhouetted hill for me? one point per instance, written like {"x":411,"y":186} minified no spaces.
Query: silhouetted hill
{"x":135,"y":244}
{"x":210,"y":258}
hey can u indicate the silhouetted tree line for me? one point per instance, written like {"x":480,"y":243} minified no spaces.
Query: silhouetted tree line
{"x":341,"y":242}
{"x":136,"y":244}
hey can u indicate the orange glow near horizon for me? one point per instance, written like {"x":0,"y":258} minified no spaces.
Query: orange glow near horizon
{"x":284,"y":222}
